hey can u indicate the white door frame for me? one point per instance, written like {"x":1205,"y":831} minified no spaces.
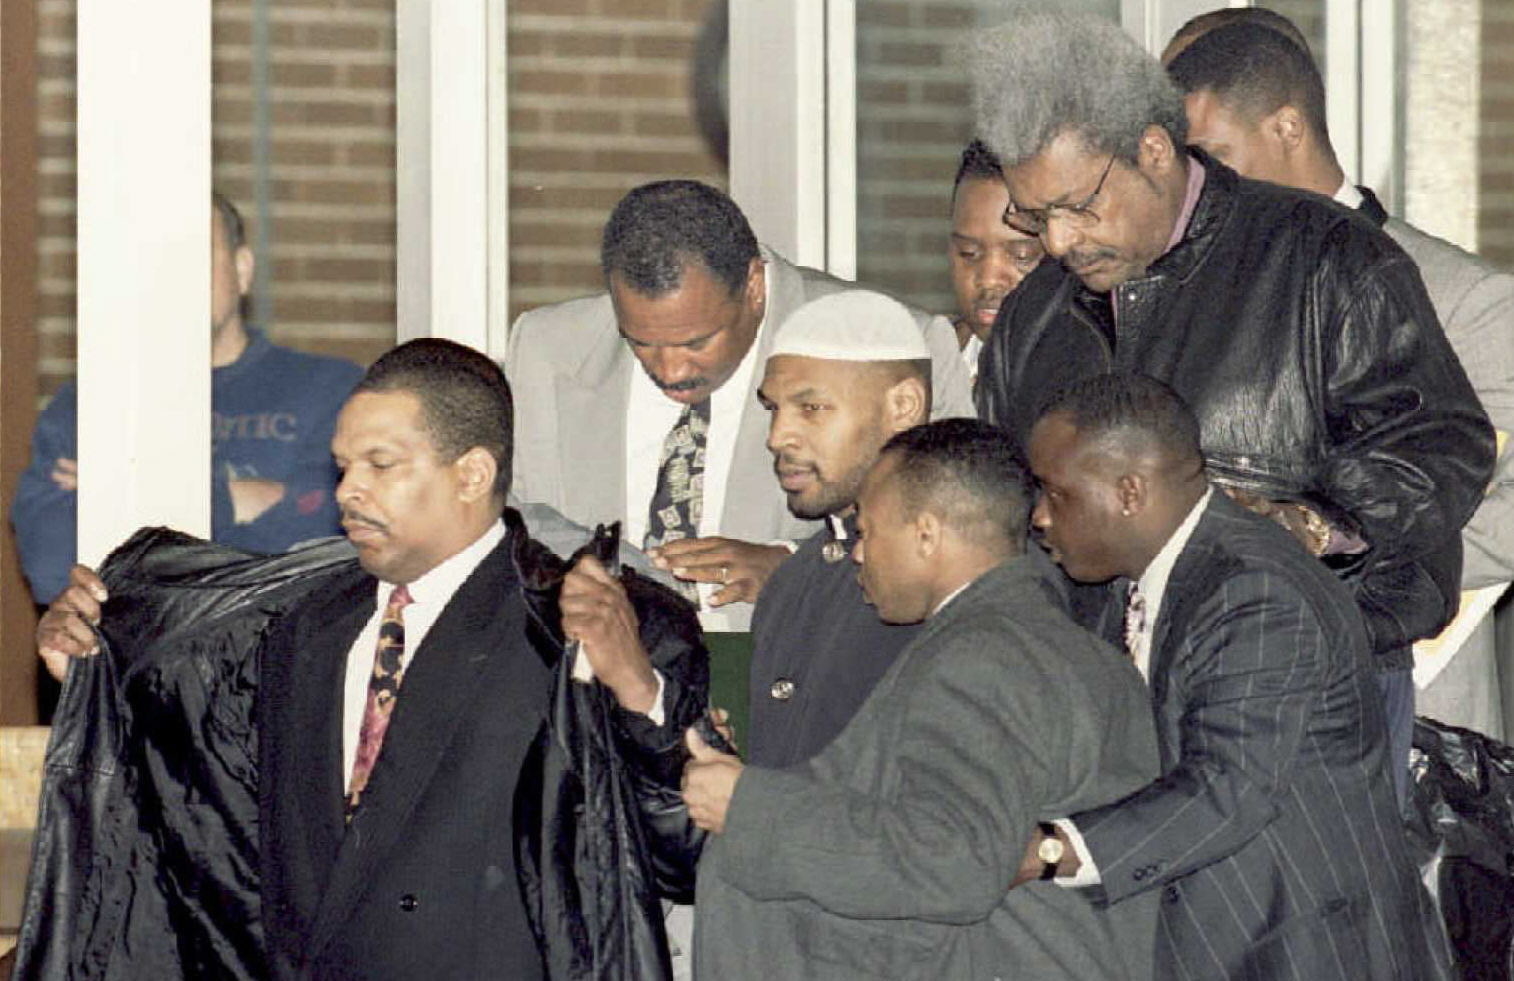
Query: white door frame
{"x":143,"y":285}
{"x":452,"y":275}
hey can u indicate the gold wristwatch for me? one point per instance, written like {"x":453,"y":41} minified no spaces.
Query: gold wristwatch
{"x":1050,"y":851}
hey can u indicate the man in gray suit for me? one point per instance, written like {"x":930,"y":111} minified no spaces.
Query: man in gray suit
{"x":1256,"y":101}
{"x":888,"y":854}
{"x":695,"y":301}
{"x":1272,"y":835}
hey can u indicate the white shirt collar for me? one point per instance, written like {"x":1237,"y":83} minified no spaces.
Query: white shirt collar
{"x":951,"y":596}
{"x":435,"y":588}
{"x":429,"y":595}
{"x":1153,"y":582}
{"x":1349,"y":195}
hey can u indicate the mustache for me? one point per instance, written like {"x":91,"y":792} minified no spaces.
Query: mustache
{"x":1078,"y":260}
{"x":687,"y":385}
{"x":781,"y":460}
{"x":350,"y":516}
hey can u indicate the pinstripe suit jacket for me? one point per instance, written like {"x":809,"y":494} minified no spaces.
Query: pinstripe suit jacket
{"x":1272,"y":834}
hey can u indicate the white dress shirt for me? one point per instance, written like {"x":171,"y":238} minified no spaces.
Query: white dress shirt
{"x":1153,"y":586}
{"x":650,"y":415}
{"x":429,"y":595}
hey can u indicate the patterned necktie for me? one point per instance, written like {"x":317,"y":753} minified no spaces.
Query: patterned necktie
{"x":678,"y":501}
{"x":383,"y":689}
{"x":1135,"y":624}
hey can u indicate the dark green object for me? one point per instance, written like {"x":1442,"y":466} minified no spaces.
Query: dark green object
{"x":730,"y":667}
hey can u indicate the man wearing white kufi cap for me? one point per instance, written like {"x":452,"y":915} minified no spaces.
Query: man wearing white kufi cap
{"x":846,"y":372}
{"x":638,"y":404}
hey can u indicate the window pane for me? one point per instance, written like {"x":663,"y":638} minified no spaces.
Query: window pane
{"x":913,"y":118}
{"x":602,"y":98}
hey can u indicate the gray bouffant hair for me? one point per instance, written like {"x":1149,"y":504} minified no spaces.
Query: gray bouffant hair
{"x":1044,"y":72}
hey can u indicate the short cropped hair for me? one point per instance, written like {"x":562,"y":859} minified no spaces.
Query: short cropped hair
{"x":1124,"y":407}
{"x":1198,"y":26}
{"x":966,"y":472}
{"x":1256,"y":71}
{"x":465,"y":399}
{"x":232,"y":225}
{"x":658,"y":229}
{"x":1045,"y":72}
{"x":978,"y":163}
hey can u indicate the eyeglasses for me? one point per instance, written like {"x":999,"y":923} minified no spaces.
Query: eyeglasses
{"x":1033,"y":221}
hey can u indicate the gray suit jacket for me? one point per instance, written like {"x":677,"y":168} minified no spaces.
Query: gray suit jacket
{"x":1273,"y":837}
{"x":571,"y":374}
{"x":1475,"y":304}
{"x":888,"y":854}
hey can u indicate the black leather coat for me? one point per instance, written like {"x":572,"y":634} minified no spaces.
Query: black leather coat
{"x":146,"y":861}
{"x":1303,"y":339}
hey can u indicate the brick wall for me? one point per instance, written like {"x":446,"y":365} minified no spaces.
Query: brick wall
{"x":330,"y":272}
{"x":1495,"y":227}
{"x":913,"y":118}
{"x":599,"y":103}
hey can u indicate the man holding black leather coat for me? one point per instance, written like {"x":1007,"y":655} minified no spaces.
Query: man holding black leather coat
{"x":310,"y":767}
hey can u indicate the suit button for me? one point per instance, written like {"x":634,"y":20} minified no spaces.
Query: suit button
{"x":782,"y":690}
{"x":1171,"y":894}
{"x":408,"y":903}
{"x":1139,"y":874}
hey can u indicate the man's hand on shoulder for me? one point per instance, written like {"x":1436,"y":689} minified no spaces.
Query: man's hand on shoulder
{"x":67,"y":628}
{"x":597,"y":613}
{"x":740,"y":568}
{"x":709,"y":783}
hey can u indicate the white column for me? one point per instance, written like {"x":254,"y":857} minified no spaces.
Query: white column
{"x":452,"y":216}
{"x":143,"y":269}
{"x":1382,"y":152}
{"x":778,"y":123}
{"x":1443,"y":78}
{"x":841,"y":138}
{"x":1343,"y":83}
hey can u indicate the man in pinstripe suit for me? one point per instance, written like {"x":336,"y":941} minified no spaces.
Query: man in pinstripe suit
{"x":1272,"y":834}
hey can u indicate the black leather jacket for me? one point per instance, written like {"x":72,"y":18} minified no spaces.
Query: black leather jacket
{"x":1303,"y":339}
{"x":146,"y":861}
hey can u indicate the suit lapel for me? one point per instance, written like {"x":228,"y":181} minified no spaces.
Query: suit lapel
{"x":444,"y":677}
{"x":1186,"y":584}
{"x":591,"y":407}
{"x":317,"y":691}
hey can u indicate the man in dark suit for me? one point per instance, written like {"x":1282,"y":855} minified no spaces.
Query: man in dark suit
{"x":882,"y":857}
{"x":1272,"y":835}
{"x":1256,"y":101}
{"x":390,"y":850}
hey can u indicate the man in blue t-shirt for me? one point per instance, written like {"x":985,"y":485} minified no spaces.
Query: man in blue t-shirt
{"x":274,"y":410}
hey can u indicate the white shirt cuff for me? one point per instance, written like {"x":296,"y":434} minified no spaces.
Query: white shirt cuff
{"x":656,"y":714}
{"x":1088,"y":873}
{"x":584,"y":672}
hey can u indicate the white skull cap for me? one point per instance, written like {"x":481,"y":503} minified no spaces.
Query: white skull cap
{"x":852,"y":325}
